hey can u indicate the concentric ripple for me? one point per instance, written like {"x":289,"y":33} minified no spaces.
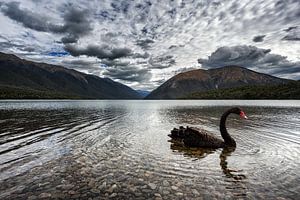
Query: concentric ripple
{"x":120,"y":149}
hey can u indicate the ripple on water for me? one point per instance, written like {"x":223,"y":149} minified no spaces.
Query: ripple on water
{"x":127,"y":145}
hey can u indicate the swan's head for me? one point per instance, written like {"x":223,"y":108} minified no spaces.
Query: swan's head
{"x":239,"y":112}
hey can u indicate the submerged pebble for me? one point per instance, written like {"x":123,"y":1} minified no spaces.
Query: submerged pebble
{"x":45,"y":195}
{"x":166,"y":183}
{"x":195,"y":192}
{"x":174,"y":187}
{"x":113,"y":195}
{"x":152,"y":186}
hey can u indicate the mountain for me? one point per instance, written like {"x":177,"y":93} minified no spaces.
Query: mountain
{"x":204,"y":80}
{"x":143,"y":93}
{"x":290,"y":90}
{"x":20,"y":78}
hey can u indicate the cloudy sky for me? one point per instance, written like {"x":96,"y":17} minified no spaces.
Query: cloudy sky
{"x":143,"y":43}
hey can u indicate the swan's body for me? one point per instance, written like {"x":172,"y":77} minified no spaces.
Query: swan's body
{"x":193,"y":137}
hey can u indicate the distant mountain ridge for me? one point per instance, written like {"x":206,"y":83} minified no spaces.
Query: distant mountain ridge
{"x":143,"y":93}
{"x":40,"y":79}
{"x":290,"y":90}
{"x":201,"y":80}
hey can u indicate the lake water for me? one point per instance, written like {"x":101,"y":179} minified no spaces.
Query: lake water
{"x":120,"y":150}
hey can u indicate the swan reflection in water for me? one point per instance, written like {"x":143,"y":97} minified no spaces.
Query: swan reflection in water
{"x":223,"y":163}
{"x":235,"y":178}
{"x":199,"y":153}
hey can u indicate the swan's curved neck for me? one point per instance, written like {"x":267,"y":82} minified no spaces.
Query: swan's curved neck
{"x":229,"y":141}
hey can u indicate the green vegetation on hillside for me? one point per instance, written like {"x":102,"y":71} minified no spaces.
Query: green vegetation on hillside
{"x":8,"y":92}
{"x":27,"y":79}
{"x":286,"y":91}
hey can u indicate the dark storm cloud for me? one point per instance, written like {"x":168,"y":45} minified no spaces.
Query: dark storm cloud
{"x":293,"y":34}
{"x":259,"y":38}
{"x":175,"y":46}
{"x":236,"y":55}
{"x":26,"y":17}
{"x":69,"y":39}
{"x":114,"y":62}
{"x":102,"y":52}
{"x":290,"y":28}
{"x":162,"y":62}
{"x":144,"y":44}
{"x":251,"y":57}
{"x":292,"y":38}
{"x":128,"y":73}
{"x":124,"y":70}
{"x":172,"y":47}
{"x":76,"y":22}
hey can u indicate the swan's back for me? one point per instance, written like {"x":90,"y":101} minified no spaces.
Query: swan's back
{"x":195,"y":137}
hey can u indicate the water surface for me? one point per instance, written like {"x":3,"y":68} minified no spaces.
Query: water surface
{"x":120,"y":150}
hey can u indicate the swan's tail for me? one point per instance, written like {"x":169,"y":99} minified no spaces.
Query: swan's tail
{"x":177,"y":133}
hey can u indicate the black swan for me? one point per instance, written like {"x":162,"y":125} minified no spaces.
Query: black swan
{"x":193,"y":137}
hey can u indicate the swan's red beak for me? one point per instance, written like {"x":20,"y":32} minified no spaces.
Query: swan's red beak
{"x":243,"y":115}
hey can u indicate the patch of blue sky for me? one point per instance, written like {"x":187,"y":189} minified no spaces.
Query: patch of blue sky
{"x":58,"y":53}
{"x":103,"y":65}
